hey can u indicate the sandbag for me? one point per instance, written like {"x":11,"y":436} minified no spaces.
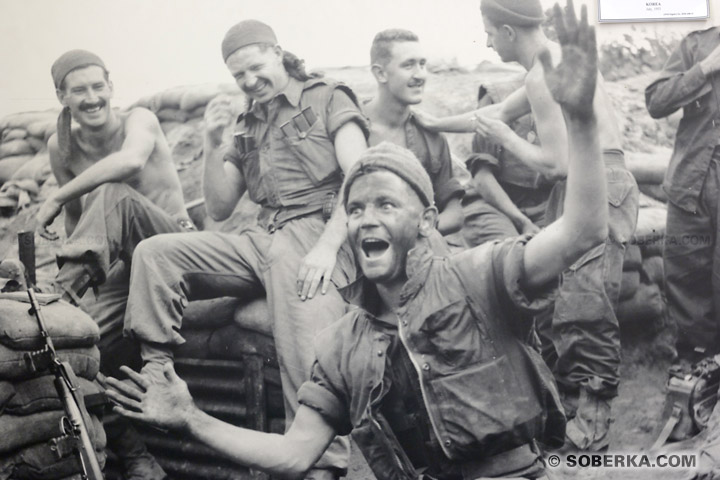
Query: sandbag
{"x":144,"y":102}
{"x":13,"y":134}
{"x":68,"y":326}
{"x":198,"y":112}
{"x":39,"y":394}
{"x":85,"y":362}
{"x":171,"y":115}
{"x":229,"y":342}
{"x":17,"y":432}
{"x":10,"y":165}
{"x":43,"y":129}
{"x":37,"y":169}
{"x":652,"y":248}
{"x":653,"y":191}
{"x":37,"y":143}
{"x":653,"y":270}
{"x":648,"y":167}
{"x":198,"y":97}
{"x":169,"y":126}
{"x":33,"y":452}
{"x":645,"y":305}
{"x":210,"y":314}
{"x":254,"y":315}
{"x":171,"y":98}
{"x":632,"y":260}
{"x":25,"y":119}
{"x":16,"y":147}
{"x":38,"y":462}
{"x":629,"y":284}
{"x":650,"y":225}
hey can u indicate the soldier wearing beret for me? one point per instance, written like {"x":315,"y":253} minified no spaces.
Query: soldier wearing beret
{"x":431,"y":373}
{"x":289,"y":150}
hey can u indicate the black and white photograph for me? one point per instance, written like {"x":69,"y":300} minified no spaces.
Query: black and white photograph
{"x":390,"y":239}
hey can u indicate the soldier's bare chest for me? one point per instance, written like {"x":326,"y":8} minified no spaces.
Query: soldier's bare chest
{"x":381,"y":133}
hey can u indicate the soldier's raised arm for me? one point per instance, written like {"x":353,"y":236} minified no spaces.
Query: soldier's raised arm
{"x":584,"y":222}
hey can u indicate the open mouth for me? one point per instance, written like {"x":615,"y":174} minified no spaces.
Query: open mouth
{"x":374,"y":247}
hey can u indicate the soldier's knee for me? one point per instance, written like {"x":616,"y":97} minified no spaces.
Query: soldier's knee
{"x":149,"y":249}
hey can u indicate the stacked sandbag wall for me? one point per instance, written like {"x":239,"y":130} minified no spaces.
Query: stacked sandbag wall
{"x":24,"y":160}
{"x":641,"y":295}
{"x":32,"y":443}
{"x":230,"y":365}
{"x":180,"y":111}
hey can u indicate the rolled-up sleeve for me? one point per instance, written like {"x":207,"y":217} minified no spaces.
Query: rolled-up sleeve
{"x":484,"y":153}
{"x":233,"y":156}
{"x":509,"y":264}
{"x":341,"y":110}
{"x":325,"y":392}
{"x":318,"y":394}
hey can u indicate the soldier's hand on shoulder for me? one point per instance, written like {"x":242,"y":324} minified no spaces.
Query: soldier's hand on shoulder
{"x":572,"y":82}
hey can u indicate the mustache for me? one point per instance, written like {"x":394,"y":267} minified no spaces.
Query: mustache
{"x":85,"y":106}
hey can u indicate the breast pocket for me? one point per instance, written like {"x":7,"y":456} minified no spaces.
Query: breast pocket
{"x":306,"y":136}
{"x":698,"y":106}
{"x":250,"y":165}
{"x":623,"y":198}
{"x":453,"y":335}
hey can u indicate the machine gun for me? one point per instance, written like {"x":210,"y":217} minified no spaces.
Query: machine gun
{"x":74,"y":424}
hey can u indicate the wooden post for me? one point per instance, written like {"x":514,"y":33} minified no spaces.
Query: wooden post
{"x":255,"y":400}
{"x":26,"y":252}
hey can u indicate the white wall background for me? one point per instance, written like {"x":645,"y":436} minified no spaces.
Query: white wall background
{"x":151,"y":45}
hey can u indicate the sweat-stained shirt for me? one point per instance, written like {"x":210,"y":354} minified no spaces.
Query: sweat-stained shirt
{"x":463,"y":321}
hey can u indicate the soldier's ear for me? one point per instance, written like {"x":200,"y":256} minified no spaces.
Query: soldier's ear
{"x":428,"y":221}
{"x":509,"y":31}
{"x":378,"y":72}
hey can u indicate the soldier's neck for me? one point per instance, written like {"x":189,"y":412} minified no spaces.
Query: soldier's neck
{"x":389,"y":298}
{"x":387,"y":110}
{"x":530,"y":46}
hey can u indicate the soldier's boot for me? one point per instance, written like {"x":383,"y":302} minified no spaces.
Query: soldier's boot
{"x":589,"y":429}
{"x":137,"y":463}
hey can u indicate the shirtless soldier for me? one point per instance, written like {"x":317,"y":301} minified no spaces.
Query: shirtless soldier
{"x":122,"y":161}
{"x":586,"y":366}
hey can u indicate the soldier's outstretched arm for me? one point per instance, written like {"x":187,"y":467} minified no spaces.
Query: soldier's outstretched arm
{"x":167,"y":403}
{"x":584,"y":222}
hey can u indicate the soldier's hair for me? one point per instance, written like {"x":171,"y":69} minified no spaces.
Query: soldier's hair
{"x":294,"y":65}
{"x":381,"y":50}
